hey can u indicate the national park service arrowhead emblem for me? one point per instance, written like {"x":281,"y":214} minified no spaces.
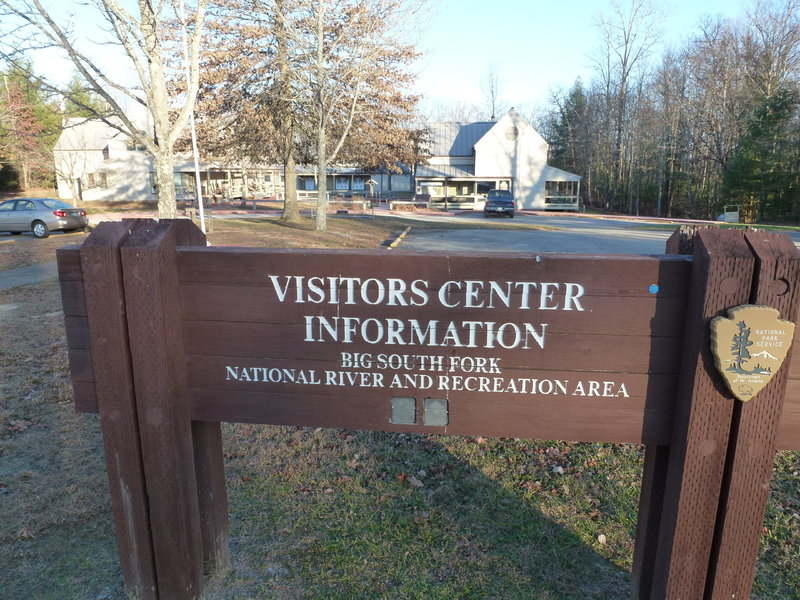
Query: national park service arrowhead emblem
{"x":749,"y":347}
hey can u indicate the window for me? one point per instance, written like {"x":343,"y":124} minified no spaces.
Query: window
{"x":97,"y":180}
{"x":106,"y":153}
{"x":54,"y":204}
{"x":131,"y":146}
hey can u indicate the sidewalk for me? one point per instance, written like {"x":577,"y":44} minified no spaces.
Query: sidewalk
{"x":26,"y":275}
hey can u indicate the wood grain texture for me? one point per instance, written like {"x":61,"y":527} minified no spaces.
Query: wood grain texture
{"x":113,"y":383}
{"x":212,"y":496}
{"x":152,"y":303}
{"x":250,"y":266}
{"x":73,"y":301}
{"x":721,"y":278}
{"x":625,"y":334}
{"x":755,"y":425}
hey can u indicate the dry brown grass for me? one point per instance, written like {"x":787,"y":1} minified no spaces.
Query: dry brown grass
{"x":324,"y":513}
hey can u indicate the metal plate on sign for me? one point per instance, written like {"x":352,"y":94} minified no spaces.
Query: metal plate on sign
{"x":435,"y":414}
{"x":404,"y":411}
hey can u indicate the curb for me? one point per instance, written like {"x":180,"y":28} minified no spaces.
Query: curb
{"x":399,"y":239}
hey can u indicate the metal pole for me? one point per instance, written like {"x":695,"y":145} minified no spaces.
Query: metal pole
{"x":195,"y":153}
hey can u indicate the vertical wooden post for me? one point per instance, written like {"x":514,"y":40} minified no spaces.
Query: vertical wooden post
{"x":721,"y":278}
{"x":153,"y":307}
{"x":752,"y":449}
{"x":105,"y":304}
{"x":210,"y":474}
{"x":648,"y":522}
{"x":654,"y":473}
{"x":76,"y":322}
{"x":208,"y":460}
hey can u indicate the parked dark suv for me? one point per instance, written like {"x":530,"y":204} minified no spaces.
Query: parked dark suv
{"x":499,"y":202}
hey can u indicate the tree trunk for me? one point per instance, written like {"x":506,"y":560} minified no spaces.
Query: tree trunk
{"x":321,"y":220}
{"x":291,"y":210}
{"x":165,"y":185}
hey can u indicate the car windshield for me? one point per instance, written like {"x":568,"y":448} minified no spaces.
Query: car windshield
{"x":55,"y":203}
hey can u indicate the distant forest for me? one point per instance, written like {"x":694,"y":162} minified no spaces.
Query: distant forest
{"x":683,"y":134}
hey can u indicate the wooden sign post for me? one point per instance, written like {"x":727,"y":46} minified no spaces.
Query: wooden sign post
{"x":168,"y":338}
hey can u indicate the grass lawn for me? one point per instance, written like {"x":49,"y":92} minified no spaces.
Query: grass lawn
{"x":327,"y":514}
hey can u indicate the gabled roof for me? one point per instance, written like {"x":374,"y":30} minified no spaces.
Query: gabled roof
{"x":456,"y":139}
{"x":85,"y":134}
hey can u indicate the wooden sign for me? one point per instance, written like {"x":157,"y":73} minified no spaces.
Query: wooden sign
{"x":167,"y":338}
{"x":749,"y":347}
{"x":549,"y":347}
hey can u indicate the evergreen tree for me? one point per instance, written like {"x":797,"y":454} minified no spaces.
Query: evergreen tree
{"x":82,"y":101}
{"x":566,"y":135}
{"x":741,"y":343}
{"x":761,"y":175}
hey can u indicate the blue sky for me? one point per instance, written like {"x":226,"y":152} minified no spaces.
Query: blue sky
{"x":534,"y":46}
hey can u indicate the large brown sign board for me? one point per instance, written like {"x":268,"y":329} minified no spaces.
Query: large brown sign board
{"x":525,"y":346}
{"x":580,"y":348}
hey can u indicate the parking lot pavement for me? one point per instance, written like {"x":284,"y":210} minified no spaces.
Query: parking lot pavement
{"x":569,"y":235}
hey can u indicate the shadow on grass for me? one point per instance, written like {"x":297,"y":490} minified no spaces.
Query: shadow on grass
{"x":326,"y":514}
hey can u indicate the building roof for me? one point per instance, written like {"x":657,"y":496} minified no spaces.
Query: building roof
{"x":445,"y":171}
{"x":553,"y":174}
{"x":456,"y":139}
{"x":85,"y":134}
{"x":80,"y":133}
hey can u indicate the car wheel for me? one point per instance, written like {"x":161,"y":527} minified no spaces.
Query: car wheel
{"x":511,"y":215}
{"x":40,"y":230}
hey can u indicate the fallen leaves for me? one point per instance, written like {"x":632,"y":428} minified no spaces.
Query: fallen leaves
{"x":18,"y":425}
{"x":415,"y":482}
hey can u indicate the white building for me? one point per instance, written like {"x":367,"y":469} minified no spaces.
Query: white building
{"x":94,"y":161}
{"x":469,"y":159}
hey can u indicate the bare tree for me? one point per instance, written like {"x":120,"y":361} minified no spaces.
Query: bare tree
{"x":629,"y":33}
{"x":490,"y":86}
{"x":29,"y":26}
{"x":772,"y":45}
{"x":459,"y":112}
{"x":354,"y":63}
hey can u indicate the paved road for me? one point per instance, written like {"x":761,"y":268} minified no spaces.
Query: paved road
{"x":585,"y":235}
